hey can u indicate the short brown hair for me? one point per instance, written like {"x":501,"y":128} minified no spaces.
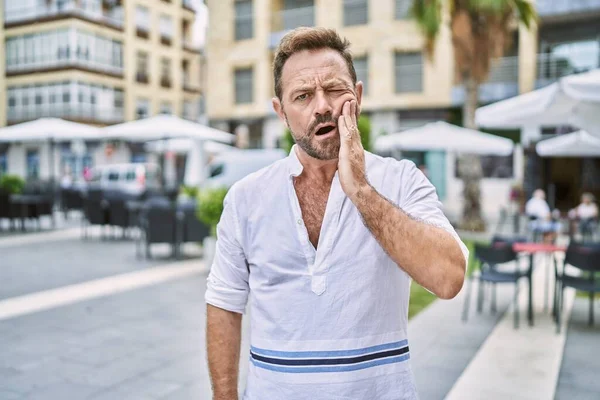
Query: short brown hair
{"x":303,"y":38}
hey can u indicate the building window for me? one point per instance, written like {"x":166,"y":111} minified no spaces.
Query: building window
{"x":61,"y":48}
{"x":166,"y":29}
{"x":142,"y":108}
{"x":243,"y":85}
{"x":361,"y":66}
{"x":356,"y":12}
{"x":142,"y":18}
{"x":243,"y":20}
{"x":69,"y":99}
{"x":165,"y":72}
{"x":166,"y":108}
{"x":142,"y":67}
{"x":403,"y":9}
{"x":409,"y":72}
{"x":33,"y":164}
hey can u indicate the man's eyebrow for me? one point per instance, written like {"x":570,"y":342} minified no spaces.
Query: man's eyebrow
{"x":302,"y":88}
{"x":335,"y":82}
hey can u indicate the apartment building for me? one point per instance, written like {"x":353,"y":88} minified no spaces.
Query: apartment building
{"x":403,"y":86}
{"x":98,"y":61}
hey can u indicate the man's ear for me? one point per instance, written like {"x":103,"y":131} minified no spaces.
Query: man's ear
{"x":359,"y":92}
{"x":278,"y":107}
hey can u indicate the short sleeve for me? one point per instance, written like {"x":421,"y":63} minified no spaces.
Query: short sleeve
{"x":417,"y":197}
{"x":227,"y":283}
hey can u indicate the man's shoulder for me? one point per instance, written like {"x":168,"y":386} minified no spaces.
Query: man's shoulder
{"x":390,"y":168}
{"x":261,"y":180}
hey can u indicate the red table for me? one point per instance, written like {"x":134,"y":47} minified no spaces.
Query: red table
{"x":531,"y":249}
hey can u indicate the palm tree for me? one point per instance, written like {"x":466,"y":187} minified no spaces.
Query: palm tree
{"x":481,"y":32}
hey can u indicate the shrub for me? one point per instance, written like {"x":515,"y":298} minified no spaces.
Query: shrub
{"x":12,"y":184}
{"x":210,"y":207}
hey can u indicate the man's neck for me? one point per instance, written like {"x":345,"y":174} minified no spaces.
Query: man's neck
{"x":315,"y":169}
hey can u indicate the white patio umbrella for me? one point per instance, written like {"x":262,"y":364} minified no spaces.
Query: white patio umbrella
{"x":445,"y":137}
{"x":573,"y":100}
{"x":42,"y":129}
{"x":50,"y":130}
{"x":164,"y":127}
{"x":576,"y":144}
{"x":183,"y":146}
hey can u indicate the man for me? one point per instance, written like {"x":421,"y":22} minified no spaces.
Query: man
{"x":538,"y":210}
{"x":325,"y":242}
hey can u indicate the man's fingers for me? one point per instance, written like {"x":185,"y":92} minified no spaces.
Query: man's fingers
{"x":346,"y":112}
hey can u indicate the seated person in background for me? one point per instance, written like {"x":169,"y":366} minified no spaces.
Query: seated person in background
{"x":538,"y":211}
{"x":586,"y":213}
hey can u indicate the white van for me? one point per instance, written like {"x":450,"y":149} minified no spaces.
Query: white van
{"x":132,"y":178}
{"x":231,"y":166}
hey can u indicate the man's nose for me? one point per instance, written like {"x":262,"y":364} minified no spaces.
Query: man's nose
{"x":322,"y":104}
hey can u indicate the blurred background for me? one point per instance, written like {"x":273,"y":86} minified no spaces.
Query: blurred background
{"x":124,"y":122}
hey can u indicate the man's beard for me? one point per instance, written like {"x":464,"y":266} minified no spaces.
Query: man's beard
{"x":323,"y":149}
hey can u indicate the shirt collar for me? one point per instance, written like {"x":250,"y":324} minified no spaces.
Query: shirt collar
{"x":295,"y":167}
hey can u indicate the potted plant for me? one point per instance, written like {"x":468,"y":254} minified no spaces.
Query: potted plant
{"x":11,"y":184}
{"x":209,"y":210}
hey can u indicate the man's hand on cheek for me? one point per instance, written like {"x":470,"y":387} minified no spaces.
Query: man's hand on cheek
{"x":351,"y":163}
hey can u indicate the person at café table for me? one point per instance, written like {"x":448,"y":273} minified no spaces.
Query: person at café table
{"x":586,"y":213}
{"x":538,"y":211}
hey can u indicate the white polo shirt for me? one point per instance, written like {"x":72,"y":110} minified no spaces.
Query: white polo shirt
{"x":327,"y":324}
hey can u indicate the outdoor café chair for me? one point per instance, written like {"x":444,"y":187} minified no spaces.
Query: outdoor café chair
{"x":489,"y":258}
{"x":585,"y":258}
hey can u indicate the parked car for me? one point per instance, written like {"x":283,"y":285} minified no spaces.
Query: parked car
{"x":229,"y":167}
{"x":132,"y":178}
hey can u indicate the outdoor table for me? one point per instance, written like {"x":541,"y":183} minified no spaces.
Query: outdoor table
{"x":23,"y":201}
{"x":531,"y":249}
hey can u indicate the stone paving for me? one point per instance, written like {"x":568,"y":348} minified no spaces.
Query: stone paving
{"x":148,"y":343}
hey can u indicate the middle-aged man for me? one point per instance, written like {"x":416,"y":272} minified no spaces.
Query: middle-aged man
{"x":325,"y":242}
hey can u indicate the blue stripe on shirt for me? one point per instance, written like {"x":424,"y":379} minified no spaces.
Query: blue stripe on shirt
{"x":335,"y":353}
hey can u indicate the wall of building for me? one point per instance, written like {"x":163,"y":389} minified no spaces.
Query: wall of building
{"x":2,"y":73}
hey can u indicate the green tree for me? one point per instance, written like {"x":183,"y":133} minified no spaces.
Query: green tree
{"x":364,"y":126}
{"x":481,"y":32}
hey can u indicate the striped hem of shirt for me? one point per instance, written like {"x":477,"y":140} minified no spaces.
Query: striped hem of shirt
{"x":330,"y":361}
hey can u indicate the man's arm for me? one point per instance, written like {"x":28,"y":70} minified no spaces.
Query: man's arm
{"x":429,"y":254}
{"x":223,"y":336}
{"x":226,"y":297}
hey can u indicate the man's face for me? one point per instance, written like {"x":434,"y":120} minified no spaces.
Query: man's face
{"x":315,"y":86}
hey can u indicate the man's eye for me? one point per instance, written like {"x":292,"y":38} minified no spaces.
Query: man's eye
{"x":303,"y":96}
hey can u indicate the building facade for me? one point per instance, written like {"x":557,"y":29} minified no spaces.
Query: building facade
{"x":403,"y":87}
{"x":99,"y":62}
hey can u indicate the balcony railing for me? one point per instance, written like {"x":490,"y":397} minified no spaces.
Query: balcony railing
{"x":550,"y":8}
{"x":91,"y":65}
{"x":551,"y":67}
{"x":81,"y":112}
{"x":80,"y":8}
{"x":289,"y":19}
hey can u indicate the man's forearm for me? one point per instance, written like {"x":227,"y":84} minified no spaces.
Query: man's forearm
{"x":429,"y":254}
{"x":223,"y":336}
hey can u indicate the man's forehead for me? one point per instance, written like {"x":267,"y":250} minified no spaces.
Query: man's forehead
{"x":307,"y":66}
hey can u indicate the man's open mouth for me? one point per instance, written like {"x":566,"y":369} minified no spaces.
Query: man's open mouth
{"x":325,"y":130}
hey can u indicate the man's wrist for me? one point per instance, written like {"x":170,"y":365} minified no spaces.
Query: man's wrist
{"x":364,"y":193}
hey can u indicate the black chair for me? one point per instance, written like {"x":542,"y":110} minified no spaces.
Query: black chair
{"x":70,"y":199}
{"x":95,"y":209}
{"x":158,"y":223}
{"x":586,"y":258}
{"x":489,"y":257}
{"x":118,"y":214}
{"x":189,"y":227}
{"x":6,"y":209}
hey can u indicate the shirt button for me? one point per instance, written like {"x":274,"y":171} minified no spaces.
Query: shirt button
{"x":299,"y":221}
